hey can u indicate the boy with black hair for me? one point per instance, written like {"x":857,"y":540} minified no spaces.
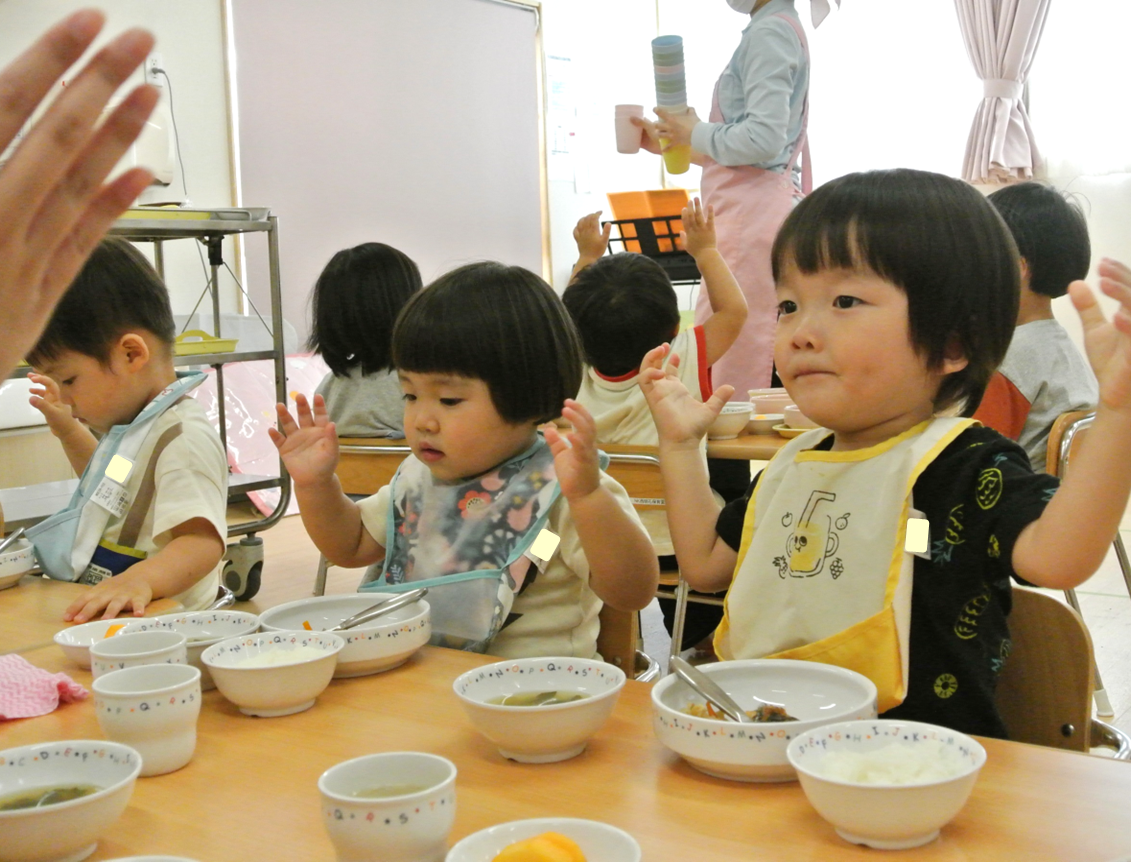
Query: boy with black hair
{"x":148,"y":520}
{"x":1043,"y":374}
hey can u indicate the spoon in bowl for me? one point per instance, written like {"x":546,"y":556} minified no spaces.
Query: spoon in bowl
{"x":379,"y":610}
{"x":703,"y":685}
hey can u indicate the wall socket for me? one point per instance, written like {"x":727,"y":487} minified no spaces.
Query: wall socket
{"x":153,"y":62}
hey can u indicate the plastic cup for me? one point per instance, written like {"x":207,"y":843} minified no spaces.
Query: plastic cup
{"x":667,"y":42}
{"x":152,"y":708}
{"x":410,"y":826}
{"x":667,"y":70}
{"x":677,"y":160}
{"x":629,"y":137}
{"x":139,"y":648}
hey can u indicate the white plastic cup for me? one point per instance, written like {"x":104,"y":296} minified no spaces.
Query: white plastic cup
{"x":152,"y":708}
{"x":140,"y":648}
{"x":413,"y":827}
{"x":629,"y":137}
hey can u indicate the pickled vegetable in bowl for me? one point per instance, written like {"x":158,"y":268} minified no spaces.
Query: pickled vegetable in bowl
{"x":766,"y":713}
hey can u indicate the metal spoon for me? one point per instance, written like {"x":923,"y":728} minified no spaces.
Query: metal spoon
{"x":379,"y":610}
{"x":702,"y":684}
{"x":12,"y":538}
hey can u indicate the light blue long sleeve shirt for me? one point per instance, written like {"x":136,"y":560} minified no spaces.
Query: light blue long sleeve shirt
{"x":761,"y":95}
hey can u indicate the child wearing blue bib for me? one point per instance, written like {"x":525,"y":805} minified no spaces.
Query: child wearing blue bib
{"x":486,"y":356}
{"x":148,"y":519}
{"x":897,"y":295}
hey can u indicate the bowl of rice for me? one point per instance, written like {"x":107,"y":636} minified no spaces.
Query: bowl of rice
{"x":277,"y":673}
{"x":812,"y":693}
{"x":884,"y":783}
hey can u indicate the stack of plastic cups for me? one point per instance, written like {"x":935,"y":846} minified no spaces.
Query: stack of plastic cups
{"x":671,"y":95}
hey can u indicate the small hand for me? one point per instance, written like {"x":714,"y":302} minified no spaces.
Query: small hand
{"x":679,"y":418}
{"x":1108,"y":343}
{"x":592,"y":239}
{"x":46,"y":399}
{"x":649,"y":140}
{"x":308,"y":447}
{"x":676,"y":128}
{"x":575,"y":452}
{"x":698,"y":228}
{"x":129,"y":590}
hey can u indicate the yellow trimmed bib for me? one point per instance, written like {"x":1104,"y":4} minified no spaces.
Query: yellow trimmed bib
{"x":822,"y":573}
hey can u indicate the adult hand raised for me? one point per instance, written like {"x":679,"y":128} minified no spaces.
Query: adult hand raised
{"x":54,"y":202}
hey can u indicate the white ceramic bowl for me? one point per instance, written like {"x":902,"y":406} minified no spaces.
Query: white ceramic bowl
{"x":202,"y":629}
{"x":16,"y":562}
{"x":775,"y":402}
{"x":69,"y":830}
{"x":410,"y":827}
{"x":885,"y":816}
{"x":816,"y":694}
{"x":600,"y":842}
{"x":153,"y":709}
{"x":382,"y":644}
{"x":280,"y":689}
{"x":763,"y":423}
{"x":76,"y":641}
{"x":794,"y":418}
{"x":540,"y":734}
{"x":139,"y":648}
{"x":762,"y":393}
{"x":730,"y":422}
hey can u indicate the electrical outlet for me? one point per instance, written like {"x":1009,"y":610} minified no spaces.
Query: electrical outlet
{"x":152,"y":63}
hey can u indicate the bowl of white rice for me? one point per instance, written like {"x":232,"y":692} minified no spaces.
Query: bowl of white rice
{"x":884,"y":783}
{"x":276,"y":673}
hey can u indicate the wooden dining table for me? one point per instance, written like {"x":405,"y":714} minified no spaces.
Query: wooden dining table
{"x":250,"y":792}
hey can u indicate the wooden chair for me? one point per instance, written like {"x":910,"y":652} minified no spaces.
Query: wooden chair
{"x":364,"y":466}
{"x":1066,"y":434}
{"x":637,"y":468}
{"x":1044,"y":693}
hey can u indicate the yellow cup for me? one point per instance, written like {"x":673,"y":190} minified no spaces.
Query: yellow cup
{"x":677,"y":160}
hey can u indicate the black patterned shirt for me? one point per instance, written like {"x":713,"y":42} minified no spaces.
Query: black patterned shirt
{"x":978,"y":496}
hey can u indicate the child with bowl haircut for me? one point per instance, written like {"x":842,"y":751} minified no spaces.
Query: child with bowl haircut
{"x":485,"y":355}
{"x":354,"y":305}
{"x":1043,"y":374}
{"x":148,"y":520}
{"x":897,"y":295}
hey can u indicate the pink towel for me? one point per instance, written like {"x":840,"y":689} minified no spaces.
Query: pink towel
{"x":26,"y":690}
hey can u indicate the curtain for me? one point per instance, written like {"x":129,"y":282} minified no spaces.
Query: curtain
{"x":1001,"y":39}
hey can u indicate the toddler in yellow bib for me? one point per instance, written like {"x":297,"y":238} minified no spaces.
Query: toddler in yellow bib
{"x":897,"y":293}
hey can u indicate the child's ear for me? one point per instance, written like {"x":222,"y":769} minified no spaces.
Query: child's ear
{"x":133,"y":350}
{"x":953,"y":357}
{"x":1026,"y":274}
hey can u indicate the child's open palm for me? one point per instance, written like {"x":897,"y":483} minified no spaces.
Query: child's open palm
{"x":308,"y":446}
{"x":592,"y":239}
{"x":46,"y":399}
{"x":575,"y":452}
{"x":698,"y":228}
{"x":678,"y":416}
{"x":1108,"y":342}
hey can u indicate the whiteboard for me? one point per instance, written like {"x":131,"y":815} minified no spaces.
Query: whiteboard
{"x":410,"y":122}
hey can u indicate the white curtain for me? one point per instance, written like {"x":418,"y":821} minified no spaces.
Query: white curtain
{"x":1001,"y":38}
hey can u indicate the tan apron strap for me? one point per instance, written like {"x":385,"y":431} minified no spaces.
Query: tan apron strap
{"x":131,"y":527}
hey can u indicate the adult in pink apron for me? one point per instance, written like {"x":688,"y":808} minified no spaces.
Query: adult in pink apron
{"x":750,"y":205}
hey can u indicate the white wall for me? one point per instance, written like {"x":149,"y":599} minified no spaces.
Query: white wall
{"x":189,"y":38}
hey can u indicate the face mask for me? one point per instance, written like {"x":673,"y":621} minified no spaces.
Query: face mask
{"x":743,"y":6}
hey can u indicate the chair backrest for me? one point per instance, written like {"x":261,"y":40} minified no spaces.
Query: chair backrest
{"x":637,"y":468}
{"x":367,"y":464}
{"x":616,"y":642}
{"x":1064,"y":436}
{"x":1044,"y":693}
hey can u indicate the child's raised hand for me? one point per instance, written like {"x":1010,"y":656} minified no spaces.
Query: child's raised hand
{"x":45,"y":398}
{"x":308,"y":447}
{"x":592,"y":239}
{"x":575,"y":452}
{"x":679,"y":418}
{"x":1108,"y":342}
{"x":698,"y":228}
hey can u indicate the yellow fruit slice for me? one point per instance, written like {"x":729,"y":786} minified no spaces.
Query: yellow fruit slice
{"x":547,"y":847}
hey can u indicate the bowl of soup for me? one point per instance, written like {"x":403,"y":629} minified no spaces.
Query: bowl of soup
{"x":57,"y":798}
{"x":813,"y":694}
{"x":540,"y":710}
{"x":381,"y":644}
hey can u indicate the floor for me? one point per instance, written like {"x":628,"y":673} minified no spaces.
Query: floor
{"x":292,"y":561}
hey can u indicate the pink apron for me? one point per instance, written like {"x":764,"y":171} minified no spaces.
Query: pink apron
{"x":750,"y":205}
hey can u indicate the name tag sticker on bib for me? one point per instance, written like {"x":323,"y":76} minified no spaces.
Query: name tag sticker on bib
{"x":112,"y":497}
{"x":918,"y":536}
{"x":544,"y":546}
{"x":119,"y":469}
